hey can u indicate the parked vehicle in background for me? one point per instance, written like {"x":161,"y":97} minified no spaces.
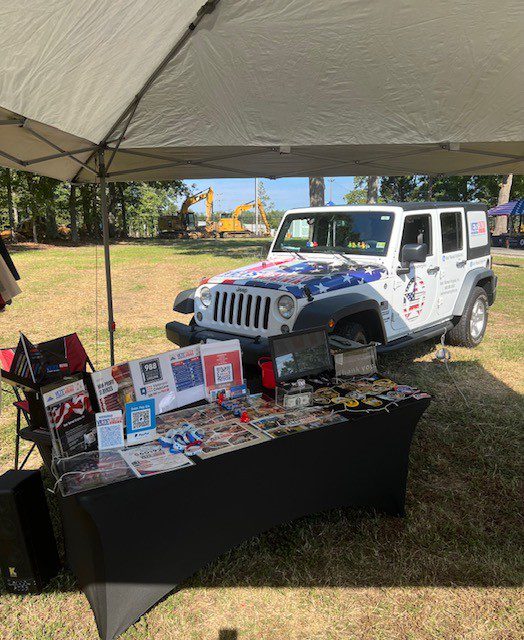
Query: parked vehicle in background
{"x":391,"y":273}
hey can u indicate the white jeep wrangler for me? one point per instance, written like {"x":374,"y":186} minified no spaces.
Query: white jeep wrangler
{"x":394,"y":274}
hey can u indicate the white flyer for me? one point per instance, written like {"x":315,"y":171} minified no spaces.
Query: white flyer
{"x":150,"y":459}
{"x":110,"y":430}
{"x":153,"y":379}
{"x":188,"y":375}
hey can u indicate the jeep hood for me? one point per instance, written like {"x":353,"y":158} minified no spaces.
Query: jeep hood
{"x":291,"y":275}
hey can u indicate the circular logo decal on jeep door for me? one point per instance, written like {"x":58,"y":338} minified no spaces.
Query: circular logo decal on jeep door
{"x":414,"y":298}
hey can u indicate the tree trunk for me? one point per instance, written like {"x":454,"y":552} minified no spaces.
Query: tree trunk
{"x":316,"y":192}
{"x":373,"y":185}
{"x":51,"y":230}
{"x":431,"y":186}
{"x":31,"y":209}
{"x":72,"y":214}
{"x":125,"y":231}
{"x":501,"y":222}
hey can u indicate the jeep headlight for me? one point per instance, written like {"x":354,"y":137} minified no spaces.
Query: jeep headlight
{"x":205,"y":296}
{"x":286,"y":306}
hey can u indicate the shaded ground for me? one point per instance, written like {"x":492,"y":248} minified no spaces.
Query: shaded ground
{"x":451,"y":569}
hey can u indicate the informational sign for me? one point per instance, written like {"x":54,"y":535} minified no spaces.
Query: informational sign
{"x":153,"y":379}
{"x":140,"y":421}
{"x":222,"y":364}
{"x":110,"y":430}
{"x":188,"y":374}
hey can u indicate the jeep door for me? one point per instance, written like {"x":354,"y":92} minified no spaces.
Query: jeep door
{"x":415,"y":293}
{"x":453,"y":262}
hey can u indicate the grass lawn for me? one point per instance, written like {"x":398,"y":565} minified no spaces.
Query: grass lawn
{"x":453,"y":568}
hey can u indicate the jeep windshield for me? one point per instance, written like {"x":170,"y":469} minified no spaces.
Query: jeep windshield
{"x":354,"y":232}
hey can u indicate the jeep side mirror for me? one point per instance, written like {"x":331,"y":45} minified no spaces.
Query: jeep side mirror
{"x":412,"y":253}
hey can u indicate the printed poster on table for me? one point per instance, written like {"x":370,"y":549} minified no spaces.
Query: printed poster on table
{"x":150,"y":459}
{"x":114,"y":387}
{"x":153,"y":380}
{"x":140,"y":421}
{"x":70,"y":416}
{"x":222,"y":363}
{"x":188,"y":375}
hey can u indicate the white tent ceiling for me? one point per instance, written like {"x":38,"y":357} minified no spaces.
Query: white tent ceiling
{"x":262,"y":88}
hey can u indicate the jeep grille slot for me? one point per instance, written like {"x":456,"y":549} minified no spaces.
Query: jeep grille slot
{"x":248,"y":310}
{"x":257,"y":311}
{"x":231,"y":308}
{"x":239,"y":310}
{"x":217,"y":302}
{"x":266,"y":313}
{"x":224,"y":302}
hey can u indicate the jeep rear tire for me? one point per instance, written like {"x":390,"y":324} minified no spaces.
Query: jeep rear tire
{"x":352,"y":331}
{"x":471,"y":327}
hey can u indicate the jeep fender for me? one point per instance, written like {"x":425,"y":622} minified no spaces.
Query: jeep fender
{"x":185,"y":301}
{"x":319,"y":313}
{"x":482,"y":277}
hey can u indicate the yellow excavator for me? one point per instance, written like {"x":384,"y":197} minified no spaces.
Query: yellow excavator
{"x":231,"y":225}
{"x":184,"y":223}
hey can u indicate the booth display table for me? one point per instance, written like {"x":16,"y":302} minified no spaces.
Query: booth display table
{"x":131,"y":543}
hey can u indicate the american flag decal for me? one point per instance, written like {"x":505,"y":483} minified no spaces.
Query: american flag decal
{"x":414,"y":298}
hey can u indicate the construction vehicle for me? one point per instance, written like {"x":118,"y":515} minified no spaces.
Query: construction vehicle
{"x":184,"y":223}
{"x":24,"y":231}
{"x":232,"y":225}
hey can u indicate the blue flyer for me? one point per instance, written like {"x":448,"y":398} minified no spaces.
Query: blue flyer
{"x":140,"y":421}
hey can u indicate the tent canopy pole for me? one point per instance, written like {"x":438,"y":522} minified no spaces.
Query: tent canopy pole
{"x":107,"y":256}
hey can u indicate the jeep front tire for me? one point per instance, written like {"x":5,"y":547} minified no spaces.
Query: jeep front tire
{"x":470,"y":329}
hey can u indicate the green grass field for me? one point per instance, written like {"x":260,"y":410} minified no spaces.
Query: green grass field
{"x":453,"y":568}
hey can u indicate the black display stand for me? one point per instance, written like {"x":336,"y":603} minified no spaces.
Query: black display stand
{"x":129,"y":544}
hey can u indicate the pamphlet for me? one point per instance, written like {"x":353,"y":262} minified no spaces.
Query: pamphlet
{"x":140,"y":421}
{"x":150,"y":459}
{"x":114,"y":387}
{"x":222,"y":364}
{"x":228,"y":436}
{"x":110,"y":430}
{"x":188,"y":374}
{"x":153,"y":379}
{"x":70,"y":416}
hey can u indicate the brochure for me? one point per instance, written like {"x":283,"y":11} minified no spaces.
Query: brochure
{"x":295,"y":421}
{"x":114,"y":387}
{"x":153,"y":379}
{"x":228,"y":436}
{"x":70,"y":416}
{"x":110,"y":430}
{"x":222,"y":364}
{"x":150,"y":459}
{"x":140,"y":421}
{"x":188,"y":375}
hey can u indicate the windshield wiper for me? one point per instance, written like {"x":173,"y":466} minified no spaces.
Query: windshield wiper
{"x":341,"y":254}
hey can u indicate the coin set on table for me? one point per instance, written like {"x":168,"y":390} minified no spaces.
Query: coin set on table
{"x":361,"y":392}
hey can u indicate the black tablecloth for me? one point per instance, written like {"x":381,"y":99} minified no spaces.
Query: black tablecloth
{"x":131,"y":543}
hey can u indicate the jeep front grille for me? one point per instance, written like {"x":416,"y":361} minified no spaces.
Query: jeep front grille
{"x":241,"y":309}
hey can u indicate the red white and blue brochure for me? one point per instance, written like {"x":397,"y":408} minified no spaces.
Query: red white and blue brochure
{"x":140,"y":421}
{"x":150,"y":459}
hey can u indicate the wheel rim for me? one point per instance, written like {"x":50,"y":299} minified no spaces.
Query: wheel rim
{"x":478,"y":319}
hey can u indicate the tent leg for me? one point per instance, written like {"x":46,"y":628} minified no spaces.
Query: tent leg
{"x":107,"y":257}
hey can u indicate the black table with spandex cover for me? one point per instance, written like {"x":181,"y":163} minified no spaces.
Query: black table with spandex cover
{"x":131,"y":543}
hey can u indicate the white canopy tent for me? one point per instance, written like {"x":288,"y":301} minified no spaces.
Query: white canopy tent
{"x":97,"y":90}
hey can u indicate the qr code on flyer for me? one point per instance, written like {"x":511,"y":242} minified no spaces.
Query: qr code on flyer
{"x":140,"y":419}
{"x":223,"y":373}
